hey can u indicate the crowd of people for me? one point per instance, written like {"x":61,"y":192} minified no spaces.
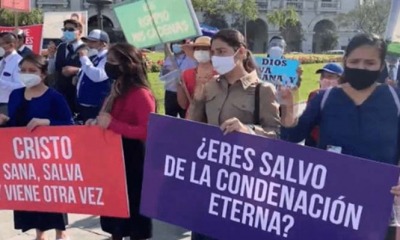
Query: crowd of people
{"x":213,"y":80}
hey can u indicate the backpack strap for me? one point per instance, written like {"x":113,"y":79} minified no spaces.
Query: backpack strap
{"x":256,"y":113}
{"x":325,"y":97}
{"x":396,"y":99}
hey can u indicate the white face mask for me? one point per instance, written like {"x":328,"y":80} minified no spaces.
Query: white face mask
{"x":2,"y":52}
{"x":223,"y":65}
{"x":202,"y":56}
{"x":327,"y":83}
{"x":93,"y":52}
{"x":30,"y":79}
{"x":275,"y":52}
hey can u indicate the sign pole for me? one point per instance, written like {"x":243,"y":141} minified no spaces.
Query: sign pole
{"x":16,"y":19}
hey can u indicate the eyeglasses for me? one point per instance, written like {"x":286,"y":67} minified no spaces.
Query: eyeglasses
{"x":68,"y":29}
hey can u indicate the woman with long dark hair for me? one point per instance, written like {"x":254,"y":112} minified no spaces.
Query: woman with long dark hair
{"x":33,"y":106}
{"x":126,"y":111}
{"x":237,"y":101}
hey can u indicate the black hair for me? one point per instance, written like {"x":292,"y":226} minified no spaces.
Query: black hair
{"x":366,"y":39}
{"x":235,"y":39}
{"x":74,"y":22}
{"x":370,"y":40}
{"x":38,"y":60}
{"x":9,"y":37}
{"x":277,"y":38}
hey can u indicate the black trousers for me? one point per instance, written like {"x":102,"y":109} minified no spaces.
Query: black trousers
{"x":171,"y":105}
{"x":391,"y":234}
{"x":86,"y":113}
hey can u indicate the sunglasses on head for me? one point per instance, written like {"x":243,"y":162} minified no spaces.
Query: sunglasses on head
{"x":68,"y":29}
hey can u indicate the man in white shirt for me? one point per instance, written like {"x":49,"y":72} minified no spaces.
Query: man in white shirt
{"x":93,"y":85}
{"x":9,"y":68}
{"x":391,"y":72}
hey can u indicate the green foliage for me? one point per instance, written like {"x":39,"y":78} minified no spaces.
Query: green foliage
{"x":288,"y":22}
{"x":34,"y":17}
{"x":370,"y":17}
{"x":283,"y":18}
{"x":328,"y":39}
{"x":216,"y":10}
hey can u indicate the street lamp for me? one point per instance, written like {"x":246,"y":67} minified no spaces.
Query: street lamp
{"x":100,"y":4}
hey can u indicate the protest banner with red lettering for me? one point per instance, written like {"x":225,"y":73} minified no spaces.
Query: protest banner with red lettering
{"x":20,"y":5}
{"x":75,"y":169}
{"x":33,"y":35}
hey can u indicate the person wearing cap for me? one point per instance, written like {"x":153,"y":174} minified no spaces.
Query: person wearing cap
{"x":175,"y":63}
{"x":23,"y":50}
{"x":191,"y":78}
{"x":93,"y":85}
{"x":329,"y":77}
{"x":65,"y":62}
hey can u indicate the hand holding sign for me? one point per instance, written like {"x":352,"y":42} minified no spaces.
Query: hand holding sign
{"x":36,"y":122}
{"x":51,"y":49}
{"x":234,"y":125}
{"x":3,"y":119}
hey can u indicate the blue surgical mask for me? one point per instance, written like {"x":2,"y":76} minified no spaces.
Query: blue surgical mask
{"x":176,"y":48}
{"x":69,"y":36}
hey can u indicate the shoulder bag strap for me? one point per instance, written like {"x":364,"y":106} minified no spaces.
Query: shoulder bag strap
{"x":256,"y":113}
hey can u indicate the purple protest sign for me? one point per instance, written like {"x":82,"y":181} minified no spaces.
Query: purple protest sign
{"x":241,"y":186}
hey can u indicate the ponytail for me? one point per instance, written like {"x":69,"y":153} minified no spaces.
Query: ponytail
{"x":248,"y":63}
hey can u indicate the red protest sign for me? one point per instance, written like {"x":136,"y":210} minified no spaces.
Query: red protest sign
{"x":33,"y":35}
{"x":75,"y":169}
{"x":17,"y":5}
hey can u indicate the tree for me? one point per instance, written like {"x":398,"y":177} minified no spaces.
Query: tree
{"x":215,"y":11}
{"x":33,"y":17}
{"x":328,"y":40}
{"x":369,"y":17}
{"x":288,"y":22}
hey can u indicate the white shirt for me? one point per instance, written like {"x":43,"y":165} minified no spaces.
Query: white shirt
{"x":9,"y":77}
{"x":52,"y":61}
{"x":396,"y":70}
{"x":96,"y":74}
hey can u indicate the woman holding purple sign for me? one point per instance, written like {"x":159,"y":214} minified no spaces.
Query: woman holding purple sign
{"x":368,"y":123}
{"x":236,"y":101}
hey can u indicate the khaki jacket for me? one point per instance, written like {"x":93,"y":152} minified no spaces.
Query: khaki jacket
{"x":221,"y":102}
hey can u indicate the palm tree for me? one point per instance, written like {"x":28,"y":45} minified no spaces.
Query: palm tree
{"x":283,"y":18}
{"x":288,"y":22}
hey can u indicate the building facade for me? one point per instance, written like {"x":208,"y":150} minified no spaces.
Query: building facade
{"x":315,"y":16}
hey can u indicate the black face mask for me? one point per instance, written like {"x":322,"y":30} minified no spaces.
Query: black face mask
{"x":112,"y":71}
{"x":360,"y":79}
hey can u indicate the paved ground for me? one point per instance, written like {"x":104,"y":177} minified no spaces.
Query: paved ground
{"x":84,"y":227}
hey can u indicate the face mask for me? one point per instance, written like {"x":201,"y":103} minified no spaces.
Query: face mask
{"x":275,"y":52}
{"x":223,"y":65}
{"x":327,"y":83}
{"x":93,"y":52}
{"x":176,"y":48}
{"x":2,"y":52}
{"x":69,"y":36}
{"x":202,"y":56}
{"x":30,"y":79}
{"x":112,"y":70}
{"x":360,"y":79}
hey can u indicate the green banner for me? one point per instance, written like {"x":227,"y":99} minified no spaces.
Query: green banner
{"x":147,"y":23}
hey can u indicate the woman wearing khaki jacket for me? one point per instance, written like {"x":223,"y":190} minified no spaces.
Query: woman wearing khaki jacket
{"x":230,"y":101}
